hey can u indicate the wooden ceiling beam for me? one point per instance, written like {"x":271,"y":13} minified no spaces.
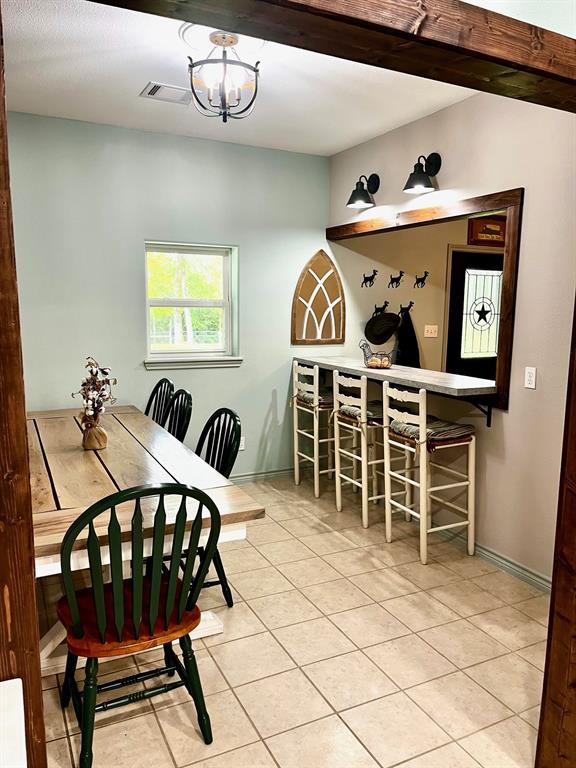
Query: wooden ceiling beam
{"x":445,"y":40}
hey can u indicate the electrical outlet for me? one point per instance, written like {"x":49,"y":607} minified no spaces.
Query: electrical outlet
{"x":530,"y":377}
{"x":430,"y":331}
{"x":242,"y":444}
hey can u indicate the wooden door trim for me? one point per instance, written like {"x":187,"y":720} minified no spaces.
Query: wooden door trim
{"x":19,"y":643}
{"x":445,"y":40}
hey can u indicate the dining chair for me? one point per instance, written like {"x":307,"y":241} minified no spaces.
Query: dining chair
{"x":158,"y":401}
{"x":178,"y":414}
{"x":218,"y":445}
{"x":153,"y":607}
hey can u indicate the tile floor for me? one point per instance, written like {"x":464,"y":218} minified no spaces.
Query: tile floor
{"x":341,"y":651}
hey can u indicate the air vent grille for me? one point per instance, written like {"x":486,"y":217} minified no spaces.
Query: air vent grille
{"x":173,"y":94}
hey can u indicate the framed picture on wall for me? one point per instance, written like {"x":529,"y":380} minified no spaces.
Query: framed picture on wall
{"x":487,"y":230}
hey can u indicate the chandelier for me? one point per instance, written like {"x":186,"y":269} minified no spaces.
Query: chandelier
{"x":223,"y":85}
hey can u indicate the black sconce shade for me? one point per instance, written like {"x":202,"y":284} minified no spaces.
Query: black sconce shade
{"x":363,"y":194}
{"x":420,"y":180}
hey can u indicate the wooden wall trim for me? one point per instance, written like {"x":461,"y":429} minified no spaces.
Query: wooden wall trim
{"x":19,"y":644}
{"x":444,"y":40}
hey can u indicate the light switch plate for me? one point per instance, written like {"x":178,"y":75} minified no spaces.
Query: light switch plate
{"x":430,"y":331}
{"x":530,"y":377}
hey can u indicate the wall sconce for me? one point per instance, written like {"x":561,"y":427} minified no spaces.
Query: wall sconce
{"x":420,"y":180}
{"x":363,"y":194}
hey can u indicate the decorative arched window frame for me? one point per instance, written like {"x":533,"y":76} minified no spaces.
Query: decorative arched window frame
{"x":319,"y":304}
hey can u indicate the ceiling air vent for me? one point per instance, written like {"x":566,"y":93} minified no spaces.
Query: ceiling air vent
{"x":170,"y":93}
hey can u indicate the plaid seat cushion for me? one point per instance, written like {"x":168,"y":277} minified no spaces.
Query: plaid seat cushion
{"x":324,"y":397}
{"x":437,"y":430}
{"x":374,"y":411}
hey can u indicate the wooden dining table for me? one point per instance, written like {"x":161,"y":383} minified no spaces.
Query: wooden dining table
{"x":65,"y":480}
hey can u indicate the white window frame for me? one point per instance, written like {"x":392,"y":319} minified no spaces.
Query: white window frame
{"x":227,"y":358}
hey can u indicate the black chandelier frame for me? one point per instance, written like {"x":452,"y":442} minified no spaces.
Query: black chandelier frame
{"x":223,"y":108}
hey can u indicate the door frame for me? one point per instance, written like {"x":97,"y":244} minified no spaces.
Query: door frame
{"x":496,"y":54}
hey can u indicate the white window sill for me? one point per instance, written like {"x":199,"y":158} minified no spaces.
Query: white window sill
{"x":174,"y":363}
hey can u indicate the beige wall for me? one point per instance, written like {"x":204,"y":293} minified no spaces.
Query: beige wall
{"x":413,"y":251}
{"x":490,"y":144}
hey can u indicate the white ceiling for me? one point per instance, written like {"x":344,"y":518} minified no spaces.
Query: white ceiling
{"x":84,"y":61}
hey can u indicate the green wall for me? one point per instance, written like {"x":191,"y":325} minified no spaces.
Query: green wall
{"x":85,"y":199}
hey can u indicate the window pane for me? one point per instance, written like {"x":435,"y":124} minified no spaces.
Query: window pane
{"x":481,"y":318}
{"x":187,"y":329}
{"x":180,"y":275}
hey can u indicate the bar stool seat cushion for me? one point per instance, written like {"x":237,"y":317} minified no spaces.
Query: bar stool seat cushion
{"x":374,"y":412}
{"x":324,"y":398}
{"x":437,"y":431}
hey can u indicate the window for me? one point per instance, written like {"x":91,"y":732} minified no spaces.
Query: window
{"x":190,"y":313}
{"x":481,"y":316}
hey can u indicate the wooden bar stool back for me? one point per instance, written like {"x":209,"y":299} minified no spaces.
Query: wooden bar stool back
{"x":157,"y":405}
{"x":409,"y":428}
{"x":358,"y":434}
{"x":218,"y":445}
{"x":308,"y":398}
{"x":154,"y":606}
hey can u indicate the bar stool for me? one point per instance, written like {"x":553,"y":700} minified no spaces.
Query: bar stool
{"x":358,"y":421}
{"x":307,"y":397}
{"x":420,"y":436}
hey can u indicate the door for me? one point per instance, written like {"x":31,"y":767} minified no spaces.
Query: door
{"x":474,"y":312}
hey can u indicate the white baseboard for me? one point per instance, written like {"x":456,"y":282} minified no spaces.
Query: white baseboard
{"x":505,"y":563}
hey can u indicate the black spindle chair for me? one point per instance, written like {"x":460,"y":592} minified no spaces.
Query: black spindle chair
{"x":218,"y":445}
{"x":153,"y":607}
{"x":178,"y":414}
{"x":158,"y":401}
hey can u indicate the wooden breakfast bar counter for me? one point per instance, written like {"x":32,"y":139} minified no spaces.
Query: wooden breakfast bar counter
{"x":436,"y":382}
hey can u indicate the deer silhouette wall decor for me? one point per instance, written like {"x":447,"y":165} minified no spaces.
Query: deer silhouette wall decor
{"x":395,"y":280}
{"x":380,"y":310}
{"x":420,"y":280}
{"x":368,"y":280}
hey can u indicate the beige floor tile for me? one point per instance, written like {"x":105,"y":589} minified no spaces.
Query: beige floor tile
{"x":397,"y":552}
{"x":253,"y":756}
{"x":349,"y":680}
{"x":509,"y":744}
{"x":313,"y":640}
{"x":458,"y":704}
{"x":336,"y":596}
{"x":58,"y":754}
{"x":354,"y":561}
{"x":512,"y":680}
{"x":510,"y":627}
{"x":284,"y":609}
{"x":134,"y":742}
{"x":210,"y":677}
{"x":50,"y":681}
{"x":384,"y":585}
{"x":426,"y":576}
{"x":463,"y":643}
{"x":394,"y":729}
{"x":264,"y":534}
{"x":265,"y":581}
{"x":108,"y":717}
{"x":507,"y":587}
{"x":305,"y":526}
{"x":535,"y":654}
{"x":537,"y":608}
{"x":325,"y":743}
{"x":365,"y":537}
{"x":285,"y":551}
{"x":245,"y":559}
{"x":339,"y":521}
{"x":466,"y":598}
{"x":230,"y":727}
{"x":306,"y":573}
{"x":419,"y":611}
{"x":271,"y":713}
{"x":284,"y":511}
{"x":238,"y":621}
{"x":532,"y":716}
{"x":229,"y":546}
{"x":409,"y":661}
{"x":465,"y":566}
{"x":369,"y":625}
{"x":248,"y":659}
{"x":327,"y":543}
{"x":213,"y":598}
{"x":53,"y":714}
{"x":450,"y":756}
